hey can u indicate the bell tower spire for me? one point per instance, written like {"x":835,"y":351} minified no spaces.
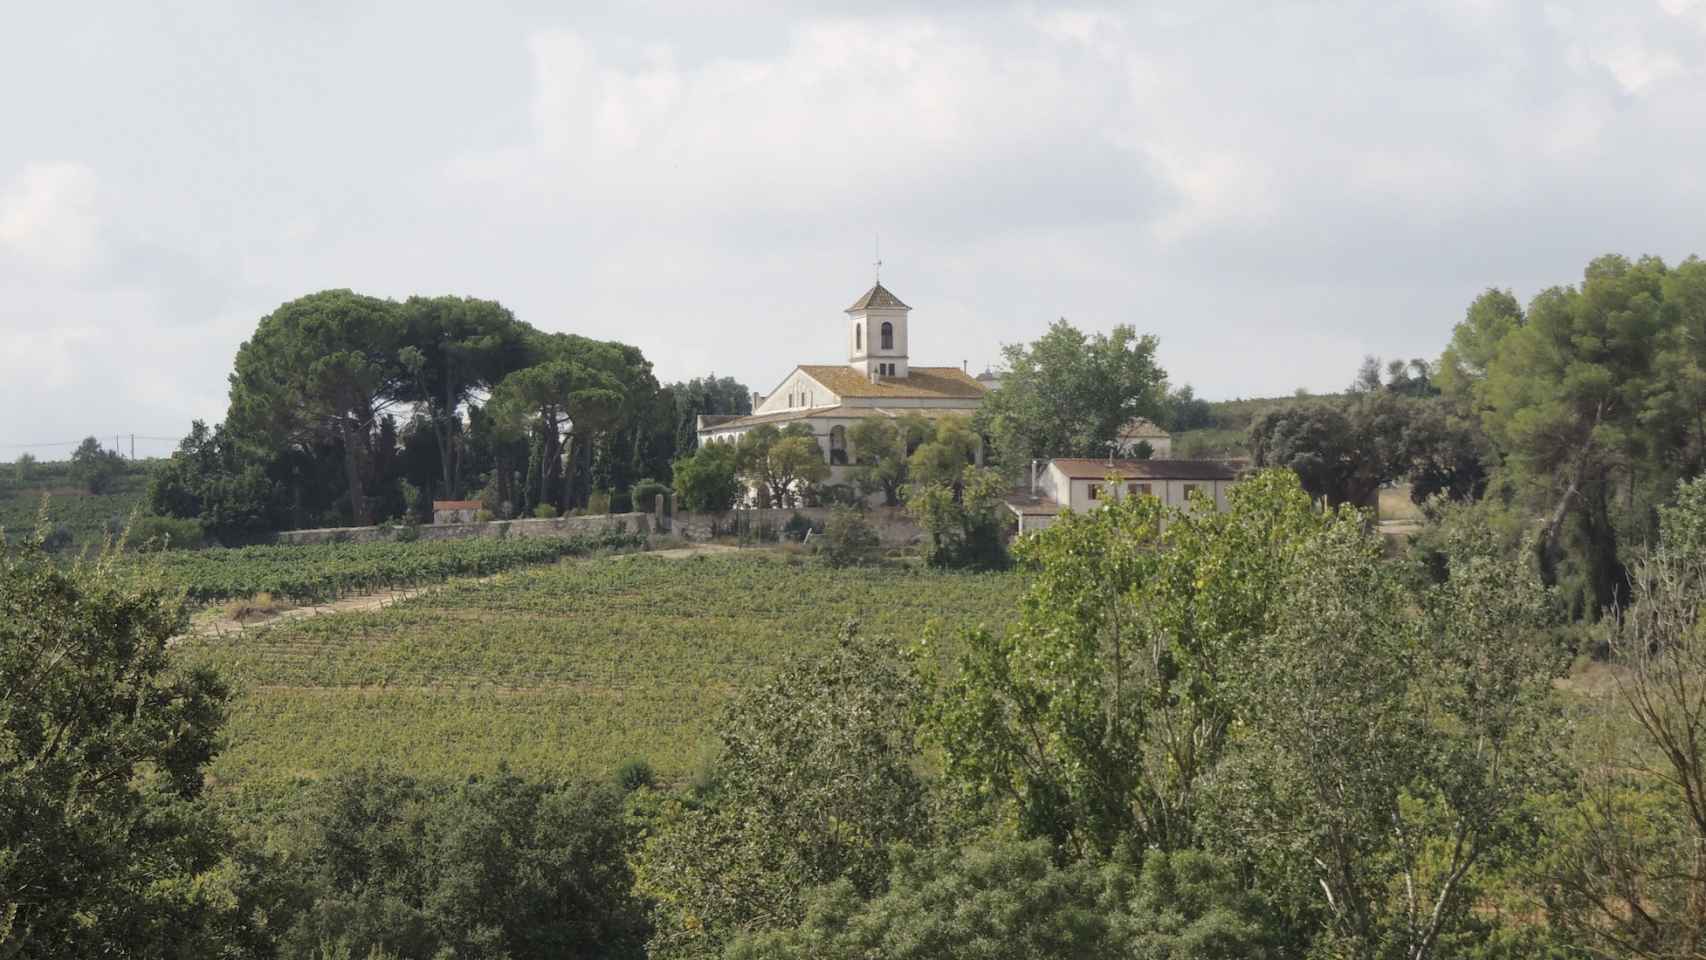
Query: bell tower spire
{"x":876,"y":332}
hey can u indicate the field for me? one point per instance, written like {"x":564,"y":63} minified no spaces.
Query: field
{"x":559,"y":670}
{"x":85,"y":515}
{"x":322,"y":572}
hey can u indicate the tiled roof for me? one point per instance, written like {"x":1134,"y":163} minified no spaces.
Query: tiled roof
{"x":1032,"y":505}
{"x":921,"y":382}
{"x":1139,"y":428}
{"x":837,"y":411}
{"x":877,"y":298}
{"x":1147,"y":469}
{"x":455,"y":505}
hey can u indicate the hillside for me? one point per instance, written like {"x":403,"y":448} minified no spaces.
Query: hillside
{"x":560,"y":670}
{"x":87,"y":517}
{"x":1228,"y":437}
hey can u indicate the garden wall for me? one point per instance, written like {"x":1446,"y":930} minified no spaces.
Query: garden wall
{"x":640,"y":523}
{"x":894,"y":527}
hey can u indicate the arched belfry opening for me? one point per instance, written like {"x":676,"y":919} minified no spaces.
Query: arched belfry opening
{"x":885,"y":353}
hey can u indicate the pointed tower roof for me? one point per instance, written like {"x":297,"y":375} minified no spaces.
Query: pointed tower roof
{"x":877,"y":298}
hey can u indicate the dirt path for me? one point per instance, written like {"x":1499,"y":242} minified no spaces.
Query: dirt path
{"x":214,"y":623}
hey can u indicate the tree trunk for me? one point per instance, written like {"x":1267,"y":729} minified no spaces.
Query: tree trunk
{"x":352,"y":466}
{"x":569,"y":464}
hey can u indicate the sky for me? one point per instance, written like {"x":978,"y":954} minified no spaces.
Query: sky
{"x":1274,"y":190}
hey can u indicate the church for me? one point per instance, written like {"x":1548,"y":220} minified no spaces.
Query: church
{"x":876,"y":380}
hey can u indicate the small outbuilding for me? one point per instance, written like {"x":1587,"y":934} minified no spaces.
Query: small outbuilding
{"x":1139,"y":431}
{"x":1081,"y":485}
{"x":455,"y":511}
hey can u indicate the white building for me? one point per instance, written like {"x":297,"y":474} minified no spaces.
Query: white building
{"x":1082,"y":485}
{"x":877,"y":380}
{"x":1141,"y":430}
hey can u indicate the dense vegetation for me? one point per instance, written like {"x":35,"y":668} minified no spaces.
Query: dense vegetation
{"x":75,"y":516}
{"x":348,"y":409}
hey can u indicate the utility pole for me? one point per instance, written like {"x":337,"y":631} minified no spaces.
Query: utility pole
{"x":133,"y":446}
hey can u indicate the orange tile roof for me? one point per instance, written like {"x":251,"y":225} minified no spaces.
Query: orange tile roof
{"x":933,"y":383}
{"x":1082,"y":469}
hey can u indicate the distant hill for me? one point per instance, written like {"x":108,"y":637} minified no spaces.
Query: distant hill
{"x":1229,"y":436}
{"x":86,"y":516}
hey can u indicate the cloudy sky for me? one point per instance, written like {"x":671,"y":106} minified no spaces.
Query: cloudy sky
{"x":1272,"y":189}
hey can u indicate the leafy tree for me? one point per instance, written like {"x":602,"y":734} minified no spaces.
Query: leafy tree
{"x":780,"y":462}
{"x":848,"y":539}
{"x":495,"y":866}
{"x":1068,"y":394}
{"x":965,"y":520}
{"x":1093,"y":720}
{"x":564,"y":400}
{"x":815,"y":784}
{"x":25,"y":467}
{"x":1012,"y":900}
{"x":94,"y":468}
{"x":709,"y":480}
{"x":1186,"y":411}
{"x":1630,"y":880}
{"x":103,"y":850}
{"x":945,"y":455}
{"x":1388,"y":757}
{"x":455,"y":347}
{"x":704,"y":396}
{"x":219,"y":484}
{"x":1474,"y":344}
{"x":321,"y":369}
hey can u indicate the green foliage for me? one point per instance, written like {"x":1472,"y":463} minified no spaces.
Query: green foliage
{"x":815,"y":783}
{"x":1386,"y":757}
{"x":322,"y":572}
{"x":880,"y":449}
{"x":707,"y":396}
{"x":849,"y":540}
{"x":709,"y":481}
{"x":93,"y":468}
{"x":212,"y":480}
{"x":163,"y":533}
{"x":950,"y":448}
{"x":25,"y":468}
{"x":645,"y":494}
{"x":1068,"y":394}
{"x":1001,"y":900}
{"x":545,"y":511}
{"x":635,"y":774}
{"x":1093,"y":720}
{"x":490,"y":867}
{"x":780,"y":462}
{"x":563,"y":670}
{"x":966,"y":525}
{"x":103,"y":851}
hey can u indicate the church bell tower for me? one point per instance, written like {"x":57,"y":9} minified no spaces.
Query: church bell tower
{"x":876,"y":334}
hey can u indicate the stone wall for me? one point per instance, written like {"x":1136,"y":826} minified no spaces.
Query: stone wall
{"x":640,"y":523}
{"x":894,"y":527}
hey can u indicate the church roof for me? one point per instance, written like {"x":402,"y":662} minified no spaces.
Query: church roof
{"x":877,"y":298}
{"x":933,"y":383}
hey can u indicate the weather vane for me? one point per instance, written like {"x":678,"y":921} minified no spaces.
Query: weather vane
{"x":878,"y":265}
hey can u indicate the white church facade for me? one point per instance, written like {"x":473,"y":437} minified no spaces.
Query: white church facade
{"x":877,"y":379}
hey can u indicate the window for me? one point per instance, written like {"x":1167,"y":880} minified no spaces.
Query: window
{"x":888,"y":335}
{"x":858,"y":336}
{"x":1135,"y":489}
{"x":838,"y":445}
{"x":1095,"y":491}
{"x":1190,"y":488}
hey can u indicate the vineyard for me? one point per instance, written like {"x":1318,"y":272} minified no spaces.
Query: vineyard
{"x":557,"y":670}
{"x":326,"y":572}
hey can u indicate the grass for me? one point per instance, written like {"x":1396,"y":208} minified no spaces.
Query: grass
{"x":565,"y":670}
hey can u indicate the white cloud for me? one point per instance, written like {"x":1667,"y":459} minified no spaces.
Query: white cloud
{"x":48,"y":215}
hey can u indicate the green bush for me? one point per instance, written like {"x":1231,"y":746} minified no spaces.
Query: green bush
{"x":645,"y":494}
{"x":848,"y":539}
{"x":598,"y":503}
{"x":545,"y":512}
{"x":164,"y":533}
{"x":634,"y":774}
{"x":708,"y":481}
{"x":797,"y":527}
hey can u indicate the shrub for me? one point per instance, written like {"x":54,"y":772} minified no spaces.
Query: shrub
{"x":797,"y":527}
{"x":545,"y":512}
{"x":483,"y":515}
{"x":634,"y":774}
{"x":645,"y":494}
{"x":598,"y":503}
{"x":163,"y":533}
{"x":57,"y":537}
{"x":848,"y":539}
{"x":708,"y":481}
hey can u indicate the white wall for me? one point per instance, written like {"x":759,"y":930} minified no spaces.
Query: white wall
{"x":865,"y":357}
{"x":807,"y":393}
